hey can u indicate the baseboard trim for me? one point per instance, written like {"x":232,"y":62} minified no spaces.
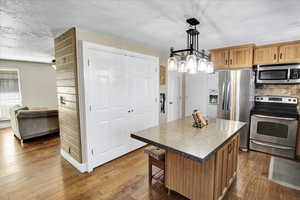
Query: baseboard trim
{"x":80,"y":166}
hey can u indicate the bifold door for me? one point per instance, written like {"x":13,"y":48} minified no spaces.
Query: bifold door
{"x":122,"y":94}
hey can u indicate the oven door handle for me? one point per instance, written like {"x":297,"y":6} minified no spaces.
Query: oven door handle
{"x":280,"y":118}
{"x":272,"y":145}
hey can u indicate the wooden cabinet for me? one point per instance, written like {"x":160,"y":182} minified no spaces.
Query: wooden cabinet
{"x":289,"y":53}
{"x":209,"y":180}
{"x":298,"y":143}
{"x":233,"y":57}
{"x":241,"y":56}
{"x":220,"y":58}
{"x":266,"y":55}
{"x":190,"y":178}
{"x":226,"y":167}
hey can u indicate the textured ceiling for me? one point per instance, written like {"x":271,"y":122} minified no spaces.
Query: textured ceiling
{"x":27,"y":27}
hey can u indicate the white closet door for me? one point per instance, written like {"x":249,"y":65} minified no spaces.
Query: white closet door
{"x":142,"y":96}
{"x":122,"y":94}
{"x":107,"y":91}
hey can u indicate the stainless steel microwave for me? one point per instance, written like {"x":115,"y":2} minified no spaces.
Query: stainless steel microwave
{"x":281,"y":74}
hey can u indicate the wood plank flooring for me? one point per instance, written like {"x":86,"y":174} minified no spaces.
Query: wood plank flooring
{"x":37,"y":172}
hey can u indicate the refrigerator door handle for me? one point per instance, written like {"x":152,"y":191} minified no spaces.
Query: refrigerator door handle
{"x":223,"y":96}
{"x":228,"y":96}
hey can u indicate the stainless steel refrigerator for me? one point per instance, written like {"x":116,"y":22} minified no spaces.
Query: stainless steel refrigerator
{"x":236,"y":97}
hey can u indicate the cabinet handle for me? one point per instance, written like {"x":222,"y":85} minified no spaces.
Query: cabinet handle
{"x":231,"y":61}
{"x":274,"y":56}
{"x":225,"y":62}
{"x":280,"y":56}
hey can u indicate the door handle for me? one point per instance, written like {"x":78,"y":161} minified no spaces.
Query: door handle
{"x":223,"y":94}
{"x":279,"y":118}
{"x":228,"y":96}
{"x":272,"y":145}
{"x":170,"y":102}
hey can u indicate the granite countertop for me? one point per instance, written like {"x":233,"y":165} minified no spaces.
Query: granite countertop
{"x":197,"y":144}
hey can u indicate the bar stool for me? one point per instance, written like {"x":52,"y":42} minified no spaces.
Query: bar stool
{"x":156,"y":157}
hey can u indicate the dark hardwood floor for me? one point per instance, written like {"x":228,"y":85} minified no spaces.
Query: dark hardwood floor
{"x":37,"y":172}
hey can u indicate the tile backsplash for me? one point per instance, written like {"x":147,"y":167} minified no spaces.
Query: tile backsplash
{"x":279,"y":90}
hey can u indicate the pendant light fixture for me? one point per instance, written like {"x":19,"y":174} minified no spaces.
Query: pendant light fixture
{"x":191,"y":59}
{"x":182,"y":64}
{"x":172,"y":64}
{"x":191,"y":63}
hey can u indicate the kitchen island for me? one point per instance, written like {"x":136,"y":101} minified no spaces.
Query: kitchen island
{"x":199,"y":163}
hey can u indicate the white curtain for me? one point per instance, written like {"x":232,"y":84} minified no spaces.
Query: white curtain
{"x":9,"y":92}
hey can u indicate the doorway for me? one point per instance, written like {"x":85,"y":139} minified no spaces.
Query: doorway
{"x":174,"y":96}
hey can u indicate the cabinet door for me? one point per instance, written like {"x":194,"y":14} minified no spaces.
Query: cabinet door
{"x":241,"y":57}
{"x":220,"y":172}
{"x":236,"y":153}
{"x":229,"y":150}
{"x":220,"y":58}
{"x":289,"y":53}
{"x":266,"y":55}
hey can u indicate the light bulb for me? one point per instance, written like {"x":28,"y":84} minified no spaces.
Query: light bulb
{"x":182,"y":66}
{"x":210,"y":67}
{"x":172,"y":64}
{"x":191,"y":63}
{"x":201,"y":65}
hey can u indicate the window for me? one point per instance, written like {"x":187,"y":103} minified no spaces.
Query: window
{"x":9,"y":92}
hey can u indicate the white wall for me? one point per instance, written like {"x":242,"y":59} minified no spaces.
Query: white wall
{"x":112,"y":41}
{"x":197,"y":91}
{"x":38,"y":82}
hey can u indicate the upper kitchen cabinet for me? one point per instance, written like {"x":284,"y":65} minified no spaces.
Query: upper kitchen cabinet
{"x":233,"y":57}
{"x":289,"y":52}
{"x":241,"y":56}
{"x":220,"y":58}
{"x":266,"y":55}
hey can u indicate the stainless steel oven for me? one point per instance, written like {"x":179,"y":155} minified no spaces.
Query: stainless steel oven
{"x":274,"y":126}
{"x":282,"y":74}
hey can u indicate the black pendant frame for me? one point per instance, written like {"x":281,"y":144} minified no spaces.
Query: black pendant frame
{"x":192,"y":42}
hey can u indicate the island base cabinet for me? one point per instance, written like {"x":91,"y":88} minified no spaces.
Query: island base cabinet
{"x":189,"y":178}
{"x":208,"y":180}
{"x":226,"y":167}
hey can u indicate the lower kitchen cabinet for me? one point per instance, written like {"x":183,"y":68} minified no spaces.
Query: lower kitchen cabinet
{"x":298,"y":143}
{"x":226,"y":167}
{"x":209,"y":180}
